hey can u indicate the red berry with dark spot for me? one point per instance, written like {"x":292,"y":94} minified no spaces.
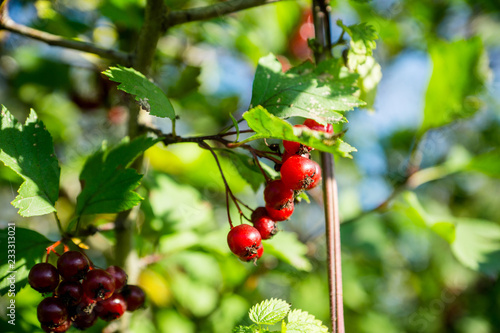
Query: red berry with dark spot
{"x":300,"y":173}
{"x":134,"y":297}
{"x":119,"y":276}
{"x":73,"y":265}
{"x":43,"y":277}
{"x":70,"y":292}
{"x":254,"y":258}
{"x":111,"y":308}
{"x":293,"y":147}
{"x":86,"y":306}
{"x":98,"y":285}
{"x":84,"y":321}
{"x":244,"y":240}
{"x":277,"y":194}
{"x":266,"y":226}
{"x":52,"y":313}
{"x":280,"y":214}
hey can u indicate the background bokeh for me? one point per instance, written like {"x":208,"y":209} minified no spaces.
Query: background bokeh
{"x":399,"y":274}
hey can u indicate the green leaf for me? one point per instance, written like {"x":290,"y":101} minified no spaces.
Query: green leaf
{"x":362,"y":43}
{"x":269,"y":312}
{"x":287,"y":247}
{"x":151,"y":97}
{"x":236,"y":127}
{"x":303,"y":196}
{"x":246,"y":168}
{"x":108,"y":183}
{"x":28,"y":150}
{"x":370,"y":74}
{"x":477,"y":245}
{"x":244,"y":329}
{"x":488,"y":163}
{"x":302,"y":322}
{"x":266,"y":125}
{"x":323,"y":93}
{"x":29,"y":248}
{"x":458,"y":75}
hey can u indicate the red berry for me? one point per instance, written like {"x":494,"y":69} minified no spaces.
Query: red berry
{"x":293,"y":147}
{"x":244,"y":240}
{"x":98,"y":285}
{"x":314,"y":125}
{"x":52,"y":313}
{"x":73,"y":265}
{"x":277,"y":194}
{"x":58,"y":329}
{"x":119,"y":277}
{"x":258,"y":212}
{"x":43,"y":277}
{"x":266,"y":227}
{"x":256,"y":256}
{"x":134,"y":297}
{"x":86,"y":306}
{"x":111,"y":308}
{"x":85,"y":320}
{"x":299,"y":173}
{"x":280,"y":214}
{"x":70,"y":292}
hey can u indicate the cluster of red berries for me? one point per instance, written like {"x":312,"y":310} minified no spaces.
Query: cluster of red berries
{"x":81,"y":293}
{"x":298,"y":173}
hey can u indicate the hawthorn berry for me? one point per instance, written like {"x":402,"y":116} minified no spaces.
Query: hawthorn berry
{"x":134,"y":297}
{"x":98,"y":285}
{"x":266,"y":226}
{"x":73,"y":265}
{"x":258,"y":212}
{"x":277,"y":194}
{"x":52,"y":313}
{"x":84,"y":320}
{"x":280,"y":214}
{"x":58,"y":329}
{"x":70,"y":292}
{"x":111,"y":308}
{"x":244,"y":240}
{"x":314,"y":125}
{"x":43,"y":277}
{"x":293,"y":147}
{"x":119,"y":277}
{"x":300,"y":173}
{"x":256,"y":256}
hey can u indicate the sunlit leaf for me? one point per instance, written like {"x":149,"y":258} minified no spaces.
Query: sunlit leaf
{"x":269,"y":312}
{"x":28,"y":150}
{"x":266,"y":125}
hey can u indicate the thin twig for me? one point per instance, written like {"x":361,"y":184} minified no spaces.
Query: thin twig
{"x":323,"y":51}
{"x":256,"y":159}
{"x":59,"y":225}
{"x":208,"y":12}
{"x":8,"y":24}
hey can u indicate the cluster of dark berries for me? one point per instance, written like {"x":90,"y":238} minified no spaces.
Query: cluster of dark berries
{"x":298,"y":173}
{"x":81,"y":294}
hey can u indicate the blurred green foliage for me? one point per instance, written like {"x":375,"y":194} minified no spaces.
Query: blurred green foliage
{"x":428,"y":262}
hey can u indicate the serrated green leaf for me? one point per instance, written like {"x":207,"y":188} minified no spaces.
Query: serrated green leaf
{"x":246,"y":167}
{"x":323,"y":93}
{"x":108,"y":183}
{"x":477,"y":245}
{"x":151,"y":97}
{"x":29,"y":249}
{"x":269,"y":312}
{"x":488,"y":163}
{"x":459,"y":72}
{"x":28,"y":150}
{"x":362,"y":43}
{"x":287,"y":247}
{"x":266,"y":125}
{"x":302,"y":322}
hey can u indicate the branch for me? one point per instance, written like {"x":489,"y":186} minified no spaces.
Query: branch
{"x":8,"y":24}
{"x":204,"y":13}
